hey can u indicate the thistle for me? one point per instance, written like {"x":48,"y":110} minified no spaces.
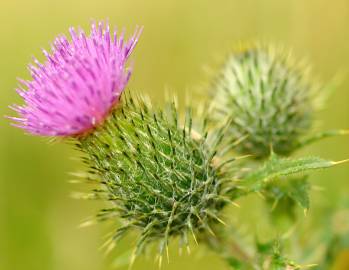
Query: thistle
{"x":77,"y":86}
{"x":269,"y":100}
{"x":161,"y":177}
{"x":160,"y":174}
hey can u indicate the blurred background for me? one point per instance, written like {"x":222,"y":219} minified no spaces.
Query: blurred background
{"x":181,"y":40}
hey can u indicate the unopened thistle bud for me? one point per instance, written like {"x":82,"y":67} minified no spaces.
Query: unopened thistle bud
{"x":162,"y":178}
{"x":268,"y":98}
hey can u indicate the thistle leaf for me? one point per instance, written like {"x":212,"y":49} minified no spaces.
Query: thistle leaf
{"x":282,"y":196}
{"x":299,"y":192}
{"x":276,"y":167}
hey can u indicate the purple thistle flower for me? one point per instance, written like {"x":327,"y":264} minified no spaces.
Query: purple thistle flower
{"x":78,"y":85}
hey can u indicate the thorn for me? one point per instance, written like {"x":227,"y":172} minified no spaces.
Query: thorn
{"x":310,"y":265}
{"x":110,"y":247}
{"x":167,"y":254}
{"x":274,"y":205}
{"x":195,"y":240}
{"x":340,"y":162}
{"x":106,"y":243}
{"x":245,"y":156}
{"x":216,"y":218}
{"x":160,"y":261}
{"x":236,"y":204}
{"x":78,"y":174}
{"x":210,"y":230}
{"x":238,"y":141}
{"x":180,"y":251}
{"x":133,"y":258}
{"x":343,"y":132}
{"x":74,"y":181}
{"x":289,"y":232}
{"x":221,"y":221}
{"x":87,"y":223}
{"x":305,"y":211}
{"x":260,"y":195}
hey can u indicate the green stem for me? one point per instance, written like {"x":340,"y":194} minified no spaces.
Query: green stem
{"x":230,"y":250}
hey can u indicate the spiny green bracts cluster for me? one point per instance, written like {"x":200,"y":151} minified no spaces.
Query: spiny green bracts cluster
{"x":268,"y":98}
{"x":162,"y":178}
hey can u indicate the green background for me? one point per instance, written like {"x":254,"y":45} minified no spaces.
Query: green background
{"x":181,"y":41}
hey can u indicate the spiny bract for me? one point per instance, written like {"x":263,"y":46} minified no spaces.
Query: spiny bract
{"x":160,"y":176}
{"x":268,"y":99}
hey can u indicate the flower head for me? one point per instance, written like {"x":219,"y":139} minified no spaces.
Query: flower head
{"x":79,"y":83}
{"x":159,"y":178}
{"x":269,"y":98}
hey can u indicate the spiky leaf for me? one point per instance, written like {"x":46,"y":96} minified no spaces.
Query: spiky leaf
{"x":283,"y":195}
{"x":298,"y":191}
{"x":277,"y":167}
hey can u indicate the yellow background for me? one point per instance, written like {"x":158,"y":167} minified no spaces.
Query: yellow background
{"x":38,"y":219}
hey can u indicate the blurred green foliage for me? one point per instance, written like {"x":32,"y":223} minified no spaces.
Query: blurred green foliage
{"x":38,"y":220}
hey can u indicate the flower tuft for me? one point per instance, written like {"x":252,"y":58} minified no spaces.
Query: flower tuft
{"x":78,"y":85}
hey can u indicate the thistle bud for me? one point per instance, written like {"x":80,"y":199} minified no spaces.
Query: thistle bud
{"x":268,"y":98}
{"x":161,"y":178}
